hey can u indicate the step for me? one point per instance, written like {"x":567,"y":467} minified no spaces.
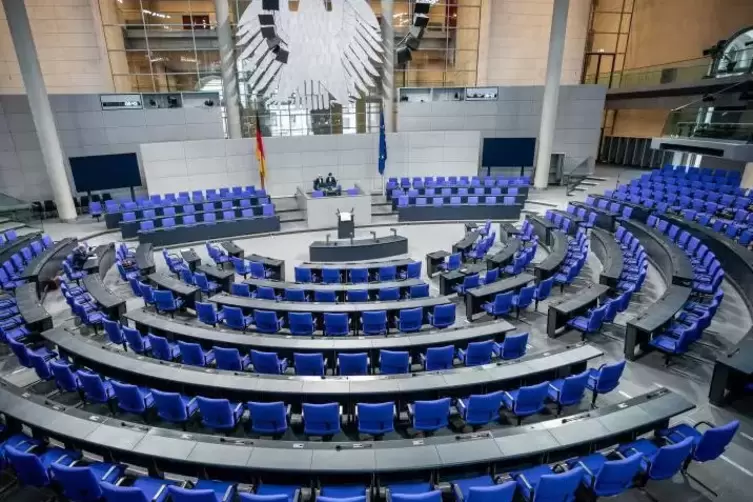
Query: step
{"x":595,"y":178}
{"x":588,"y":183}
{"x":541,"y":203}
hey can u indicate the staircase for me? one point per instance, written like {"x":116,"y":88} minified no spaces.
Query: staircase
{"x":577,"y":177}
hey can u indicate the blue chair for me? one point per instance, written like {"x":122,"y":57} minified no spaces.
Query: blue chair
{"x":65,"y":379}
{"x":659,"y":463}
{"x":607,"y":478}
{"x":483,"y":489}
{"x":443,"y":316}
{"x":376,"y":419}
{"x":208,"y":314}
{"x":265,"y":293}
{"x":144,"y":489}
{"x":412,"y":271}
{"x":219,"y":414}
{"x":478,"y":353}
{"x":114,"y":333}
{"x":324,"y":296}
{"x":95,"y":389}
{"x":590,"y":324}
{"x":162,"y":349}
{"x":438,"y":358}
{"x":204,"y":491}
{"x":523,"y":299}
{"x":429,"y":416}
{"x":513,"y":346}
{"x":269,"y":418}
{"x":34,"y":470}
{"x":174,"y":407}
{"x":352,"y":364}
{"x":240,"y":289}
{"x":388,"y":273}
{"x":233,"y":318}
{"x":453,"y":262}
{"x":303,"y":275}
{"x":410,"y":320}
{"x":502,"y":304}
{"x":301,"y":323}
{"x":273,"y":493}
{"x":604,"y":379}
{"x":336,"y":324}
{"x":133,"y":399}
{"x":268,"y":363}
{"x":267,"y":321}
{"x":359,"y":275}
{"x":229,"y":358}
{"x":22,"y":353}
{"x":469,"y":282}
{"x":542,"y":484}
{"x":241,"y":266}
{"x":193,"y":354}
{"x":164,"y":301}
{"x":393,"y":362}
{"x":331,"y":276}
{"x":480,"y":409}
{"x":207,"y":287}
{"x":309,"y":364}
{"x":82,"y":483}
{"x":707,"y":445}
{"x":418,"y":291}
{"x":356,"y":295}
{"x":259,"y":271}
{"x":321,"y":419}
{"x":388,"y":294}
{"x":295,"y":295}
{"x":374,"y":323}
{"x":568,"y":391}
{"x":526,"y":401}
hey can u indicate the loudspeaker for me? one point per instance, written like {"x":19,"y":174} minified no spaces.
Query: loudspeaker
{"x":403,"y":55}
{"x":270,"y":4}
{"x":268,"y":32}
{"x":282,"y":56}
{"x":421,"y":8}
{"x":420,"y":20}
{"x":266,"y":19}
{"x":412,"y":42}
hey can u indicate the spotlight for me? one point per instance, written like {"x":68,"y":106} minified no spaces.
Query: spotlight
{"x":270,"y":4}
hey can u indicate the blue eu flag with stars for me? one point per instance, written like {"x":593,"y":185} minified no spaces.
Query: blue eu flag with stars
{"x":382,"y":144}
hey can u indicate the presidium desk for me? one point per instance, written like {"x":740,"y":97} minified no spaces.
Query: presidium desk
{"x":358,"y":249}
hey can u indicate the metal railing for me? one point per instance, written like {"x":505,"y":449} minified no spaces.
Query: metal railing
{"x":734,"y":125}
{"x":574,"y":172}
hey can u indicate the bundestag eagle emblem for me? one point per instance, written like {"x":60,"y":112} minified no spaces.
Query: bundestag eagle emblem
{"x":320,"y":52}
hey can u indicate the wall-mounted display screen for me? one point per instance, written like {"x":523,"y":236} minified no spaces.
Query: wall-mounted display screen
{"x":508,"y":152}
{"x":105,"y":172}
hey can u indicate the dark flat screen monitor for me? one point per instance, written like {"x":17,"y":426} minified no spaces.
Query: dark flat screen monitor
{"x":508,"y":152}
{"x":105,"y":172}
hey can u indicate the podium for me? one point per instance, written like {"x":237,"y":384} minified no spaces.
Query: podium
{"x":346,"y":227}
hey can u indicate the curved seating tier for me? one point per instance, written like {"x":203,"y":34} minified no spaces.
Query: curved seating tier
{"x":245,"y":386}
{"x":340,"y":291}
{"x":34,"y":314}
{"x":145,"y":258}
{"x":315,"y":271}
{"x":670,"y":261}
{"x":111,"y":304}
{"x":286,"y":345}
{"x":608,"y":251}
{"x":101,"y":259}
{"x":45,"y":266}
{"x":176,"y":452}
{"x":557,"y":254}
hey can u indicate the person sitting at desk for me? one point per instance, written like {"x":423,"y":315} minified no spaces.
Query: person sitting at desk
{"x":319,"y":183}
{"x":331,"y":182}
{"x":80,"y":254}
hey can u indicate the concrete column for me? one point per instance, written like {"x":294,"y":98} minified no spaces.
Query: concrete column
{"x":36,"y":92}
{"x":228,"y":63}
{"x":551,"y":93}
{"x":747,"y":180}
{"x":388,"y":66}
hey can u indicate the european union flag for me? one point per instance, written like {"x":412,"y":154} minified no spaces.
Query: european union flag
{"x":382,"y":144}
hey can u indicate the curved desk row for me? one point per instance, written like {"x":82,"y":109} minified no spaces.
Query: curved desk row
{"x":543,"y":228}
{"x":733,"y":369}
{"x":340,"y":290}
{"x":199,"y":232}
{"x":130,"y":228}
{"x":672,"y":262}
{"x":47,"y":265}
{"x":11,"y":247}
{"x":674,"y":267}
{"x":557,"y":253}
{"x":575,"y":221}
{"x":476,"y":297}
{"x":605,"y":218}
{"x":561,"y":311}
{"x":100,"y":261}
{"x":372,"y":266}
{"x":504,"y":257}
{"x":608,"y":251}
{"x":246,"y":386}
{"x":286,"y":344}
{"x":35,"y":316}
{"x":449,"y":212}
{"x":481,"y":197}
{"x":454,"y":190}
{"x":112,"y":305}
{"x":639,"y":212}
{"x":114,"y":218}
{"x":175,"y":451}
{"x":145,"y":258}
{"x":358,"y":249}
{"x":188,"y":293}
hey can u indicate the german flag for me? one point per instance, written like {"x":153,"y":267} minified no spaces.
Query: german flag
{"x":260,"y":153}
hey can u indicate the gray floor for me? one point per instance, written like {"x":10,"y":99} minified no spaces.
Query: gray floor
{"x":690,"y":376}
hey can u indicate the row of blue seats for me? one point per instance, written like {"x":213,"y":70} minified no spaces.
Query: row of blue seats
{"x":8,"y":236}
{"x":693,"y":173}
{"x":321,"y":296}
{"x":575,"y":259}
{"x":671,"y":193}
{"x":404,"y":201}
{"x":448,"y":192}
{"x":459,"y":181}
{"x":268,"y":210}
{"x":314,"y":364}
{"x":736,"y":229}
{"x":190,"y":209}
{"x":10,"y":272}
{"x":357,"y":275}
{"x":195,"y":196}
{"x":600,"y":474}
{"x":12,"y":324}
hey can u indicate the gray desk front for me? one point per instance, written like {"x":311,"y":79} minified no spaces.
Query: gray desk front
{"x":112,"y":305}
{"x":189,"y":294}
{"x":476,"y":297}
{"x":359,"y":249}
{"x":181,"y":234}
{"x":340,"y":290}
{"x":43,"y":269}
{"x":608,"y":251}
{"x":463,"y":212}
{"x":35,"y":315}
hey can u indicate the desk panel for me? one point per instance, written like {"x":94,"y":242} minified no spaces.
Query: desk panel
{"x":498,"y":199}
{"x":190,"y":294}
{"x":605,"y":219}
{"x":100,"y":260}
{"x":543,"y":228}
{"x":641,"y":329}
{"x":476,"y":297}
{"x":465,"y":212}
{"x":359,"y":249}
{"x":112,"y":305}
{"x":608,"y":251}
{"x":557,"y":253}
{"x":36,"y":316}
{"x":561,"y":311}
{"x":145,"y":258}
{"x":43,"y":269}
{"x":340,"y":290}
{"x":181,"y":234}
{"x":671,"y":261}
{"x":130,"y":229}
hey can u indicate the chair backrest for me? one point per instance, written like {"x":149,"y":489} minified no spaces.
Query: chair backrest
{"x":482,"y":408}
{"x":454,"y":261}
{"x":479,"y":353}
{"x":309,"y":364}
{"x":266,"y":293}
{"x":669,"y":460}
{"x":573,"y":388}
{"x":336,"y":324}
{"x":79,"y":483}
{"x":375,"y":417}
{"x":411,"y":319}
{"x":266,"y":362}
{"x":268,"y":417}
{"x":321,"y":419}
{"x":514,"y":346}
{"x":357,"y":295}
{"x":503,"y":492}
{"x":374,"y":322}
{"x":609,"y":376}
{"x":353,"y":364}
{"x":266,"y":321}
{"x":714,"y":441}
{"x":558,"y":487}
{"x":419,"y":291}
{"x":413,"y":270}
{"x":330,"y":275}
{"x":616,"y":476}
{"x":64,"y":377}
{"x":192,"y":353}
{"x":440,"y":358}
{"x":40,"y":365}
{"x":444,"y":315}
{"x":525,"y":296}
{"x":389,"y":294}
{"x":503,"y":301}
{"x":388,"y":273}
{"x":134,"y":339}
{"x":240,"y":289}
{"x":206,"y":312}
{"x":531,"y":398}
{"x":170,"y":405}
{"x":294,"y":295}
{"x":393,"y":362}
{"x":228,"y":358}
{"x":92,"y":385}
{"x":128,"y":396}
{"x":160,"y":347}
{"x":431,"y":414}
{"x":216,"y":412}
{"x":301,"y":323}
{"x":28,"y":467}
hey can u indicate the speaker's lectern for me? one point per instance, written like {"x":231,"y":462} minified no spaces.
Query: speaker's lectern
{"x":346,"y":227}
